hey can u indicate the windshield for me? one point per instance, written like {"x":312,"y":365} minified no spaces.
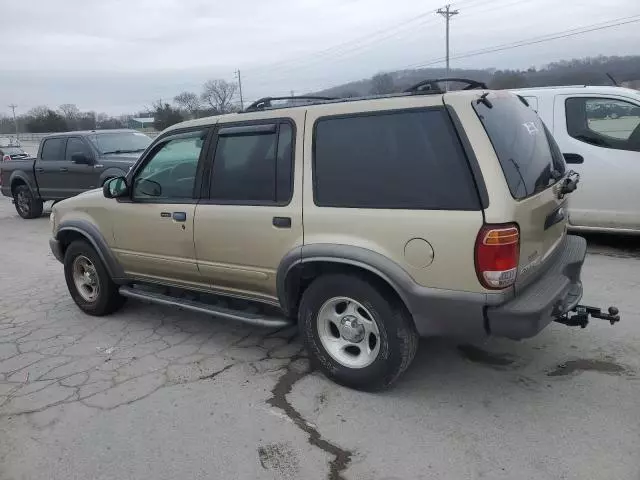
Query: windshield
{"x":121,"y":142}
{"x":528,"y":154}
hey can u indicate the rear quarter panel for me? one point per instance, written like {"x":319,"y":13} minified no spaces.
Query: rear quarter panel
{"x":451,"y":234}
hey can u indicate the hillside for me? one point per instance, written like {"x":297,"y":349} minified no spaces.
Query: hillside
{"x":592,"y":71}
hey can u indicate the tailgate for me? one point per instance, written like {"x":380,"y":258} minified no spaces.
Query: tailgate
{"x":533,"y":166}
{"x":542,"y":221}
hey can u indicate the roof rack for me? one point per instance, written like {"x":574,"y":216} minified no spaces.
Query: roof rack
{"x":431,"y":85}
{"x":265,"y":102}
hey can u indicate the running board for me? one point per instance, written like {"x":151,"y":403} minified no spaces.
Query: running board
{"x":201,"y":307}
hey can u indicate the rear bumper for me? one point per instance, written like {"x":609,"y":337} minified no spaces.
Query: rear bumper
{"x":513,"y":314}
{"x":556,"y":292}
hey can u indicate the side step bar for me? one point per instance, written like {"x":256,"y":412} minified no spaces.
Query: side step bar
{"x":201,"y":307}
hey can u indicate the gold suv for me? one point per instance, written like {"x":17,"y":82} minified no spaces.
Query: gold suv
{"x":369,"y":221}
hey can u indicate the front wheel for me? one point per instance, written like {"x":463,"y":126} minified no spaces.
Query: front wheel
{"x":88,"y":280}
{"x":357,"y":333}
{"x":26,"y":204}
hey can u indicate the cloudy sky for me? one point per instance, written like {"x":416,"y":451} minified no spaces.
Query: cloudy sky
{"x":117,"y":56}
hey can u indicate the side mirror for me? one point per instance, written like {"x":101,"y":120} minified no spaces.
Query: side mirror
{"x":148,"y":188}
{"x":573,"y":158}
{"x":81,"y":159}
{"x":115,"y":187}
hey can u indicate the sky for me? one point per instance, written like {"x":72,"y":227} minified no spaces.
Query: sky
{"x":119,"y":56}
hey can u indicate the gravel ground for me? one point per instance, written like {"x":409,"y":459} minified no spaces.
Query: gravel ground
{"x":157,"y":393}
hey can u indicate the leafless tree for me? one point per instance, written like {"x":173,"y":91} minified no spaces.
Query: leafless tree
{"x":188,"y":101}
{"x":69,"y":111}
{"x":381,"y":84}
{"x":219,"y":94}
{"x":71,"y":114}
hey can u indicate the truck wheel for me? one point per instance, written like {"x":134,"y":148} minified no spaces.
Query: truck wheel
{"x":26,"y":204}
{"x":356,"y":333}
{"x":88,"y":280}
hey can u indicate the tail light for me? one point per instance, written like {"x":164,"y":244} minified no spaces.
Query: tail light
{"x":497,"y":255}
{"x":6,"y":158}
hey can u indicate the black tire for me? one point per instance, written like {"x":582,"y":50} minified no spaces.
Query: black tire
{"x":26,"y":204}
{"x":108,"y":299}
{"x":398,"y":336}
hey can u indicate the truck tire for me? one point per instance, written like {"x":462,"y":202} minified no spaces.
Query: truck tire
{"x":26,"y":204}
{"x":358,"y":334}
{"x":88,"y":281}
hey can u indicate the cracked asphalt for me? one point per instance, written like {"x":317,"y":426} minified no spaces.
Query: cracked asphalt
{"x":158,"y":393}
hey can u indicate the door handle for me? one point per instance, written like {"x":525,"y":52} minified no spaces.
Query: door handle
{"x":40,"y":170}
{"x":573,"y":158}
{"x":180,"y":216}
{"x":282,"y":222}
{"x":64,"y":169}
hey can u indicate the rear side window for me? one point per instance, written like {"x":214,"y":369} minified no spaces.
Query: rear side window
{"x":53,"y":149}
{"x":253,"y":165}
{"x":525,"y":148}
{"x":405,"y":160}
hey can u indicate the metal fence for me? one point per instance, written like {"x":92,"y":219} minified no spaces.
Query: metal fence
{"x":36,"y":137}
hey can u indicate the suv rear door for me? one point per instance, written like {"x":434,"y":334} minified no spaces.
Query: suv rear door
{"x":250,"y":215}
{"x":532,"y":165}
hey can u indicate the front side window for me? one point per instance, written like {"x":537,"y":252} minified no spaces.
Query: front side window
{"x":76,"y":146}
{"x":604,"y":122}
{"x":171,"y":172}
{"x":404,"y":160}
{"x":253,"y":166}
{"x":528,"y":155}
{"x":53,"y":149}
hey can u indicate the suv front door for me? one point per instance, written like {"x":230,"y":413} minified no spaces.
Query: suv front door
{"x":251,"y":215}
{"x":153,"y":227}
{"x":605,"y":132}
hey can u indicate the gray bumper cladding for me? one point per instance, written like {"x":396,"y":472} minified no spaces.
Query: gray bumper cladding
{"x":56,"y":249}
{"x":556,"y":292}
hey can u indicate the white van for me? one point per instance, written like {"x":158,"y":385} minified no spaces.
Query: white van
{"x":598,"y":130}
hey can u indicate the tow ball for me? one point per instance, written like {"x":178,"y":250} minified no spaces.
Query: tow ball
{"x":579,"y":316}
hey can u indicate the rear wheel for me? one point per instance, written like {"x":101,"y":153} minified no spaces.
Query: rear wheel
{"x":88,"y":280}
{"x":358,"y":334}
{"x":26,"y":204}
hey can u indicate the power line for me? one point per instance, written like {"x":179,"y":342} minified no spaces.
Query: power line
{"x":338,"y":47}
{"x":535,"y":40}
{"x":365,"y":44}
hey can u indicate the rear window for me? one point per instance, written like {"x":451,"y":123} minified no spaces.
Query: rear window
{"x":400,"y":159}
{"x":528,"y":154}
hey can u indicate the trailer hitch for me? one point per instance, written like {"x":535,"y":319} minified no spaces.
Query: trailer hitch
{"x":579,"y":315}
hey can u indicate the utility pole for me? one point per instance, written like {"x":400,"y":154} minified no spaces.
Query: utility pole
{"x":240,"y":88}
{"x":447,"y":13}
{"x":13,"y":107}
